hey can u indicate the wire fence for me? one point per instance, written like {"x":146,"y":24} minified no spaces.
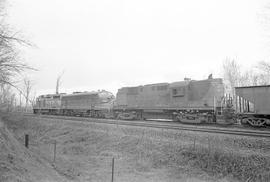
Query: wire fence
{"x":211,"y":153}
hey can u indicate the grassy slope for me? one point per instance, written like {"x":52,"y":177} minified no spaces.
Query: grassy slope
{"x":84,"y":152}
{"x":19,"y":164}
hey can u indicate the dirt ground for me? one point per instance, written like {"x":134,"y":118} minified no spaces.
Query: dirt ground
{"x":84,"y":152}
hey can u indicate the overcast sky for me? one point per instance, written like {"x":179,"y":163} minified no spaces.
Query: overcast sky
{"x":108,"y":44}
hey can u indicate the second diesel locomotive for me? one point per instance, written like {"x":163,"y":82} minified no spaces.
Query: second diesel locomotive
{"x":93,"y":104}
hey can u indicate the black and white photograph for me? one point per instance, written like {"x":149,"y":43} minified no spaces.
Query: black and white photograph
{"x":135,"y":91}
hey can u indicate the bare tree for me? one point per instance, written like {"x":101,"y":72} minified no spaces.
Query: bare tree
{"x":11,"y":64}
{"x":58,"y":82}
{"x":28,"y":85}
{"x":249,"y":78}
{"x":7,"y":97}
{"x":232,"y":75}
{"x":11,"y":103}
{"x":33,"y":100}
{"x":264,"y":67}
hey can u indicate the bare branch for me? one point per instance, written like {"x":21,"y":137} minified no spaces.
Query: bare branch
{"x":264,"y":66}
{"x":58,"y":82}
{"x":231,"y":71}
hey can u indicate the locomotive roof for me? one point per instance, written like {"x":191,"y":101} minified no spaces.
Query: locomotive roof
{"x":179,"y":84}
{"x":51,"y":95}
{"x":156,"y":84}
{"x":256,"y":86}
{"x":81,"y":94}
{"x":173,"y":84}
{"x":148,"y":85}
{"x":85,"y":93}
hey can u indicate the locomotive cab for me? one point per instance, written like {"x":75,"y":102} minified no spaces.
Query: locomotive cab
{"x":48,"y":104}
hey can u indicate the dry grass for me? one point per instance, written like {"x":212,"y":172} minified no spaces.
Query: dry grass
{"x":220,"y":163}
{"x":209,"y":157}
{"x":20,"y":164}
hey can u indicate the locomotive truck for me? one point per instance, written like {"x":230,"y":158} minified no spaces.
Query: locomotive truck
{"x":187,"y":101}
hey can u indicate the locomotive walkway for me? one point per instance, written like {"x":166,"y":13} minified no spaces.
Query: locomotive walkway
{"x":162,"y":125}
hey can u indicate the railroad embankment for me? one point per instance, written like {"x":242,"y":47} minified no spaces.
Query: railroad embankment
{"x":82,"y":151}
{"x":20,"y":164}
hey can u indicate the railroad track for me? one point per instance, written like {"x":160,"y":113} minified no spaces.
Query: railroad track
{"x":163,"y":125}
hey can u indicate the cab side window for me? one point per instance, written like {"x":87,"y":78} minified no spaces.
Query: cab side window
{"x":178,"y":92}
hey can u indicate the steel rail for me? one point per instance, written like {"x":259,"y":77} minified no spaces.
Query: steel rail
{"x":240,"y":132}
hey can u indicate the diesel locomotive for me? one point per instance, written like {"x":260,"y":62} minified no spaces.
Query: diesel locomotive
{"x":93,"y":104}
{"x":187,"y":101}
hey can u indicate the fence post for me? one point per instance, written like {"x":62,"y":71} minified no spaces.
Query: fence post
{"x":112,"y":168}
{"x":54,"y":151}
{"x":209,"y":153}
{"x":26,"y":141}
{"x":194,"y":144}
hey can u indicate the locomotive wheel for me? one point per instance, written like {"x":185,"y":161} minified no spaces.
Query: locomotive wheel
{"x":210,"y":119}
{"x":175,"y":118}
{"x":254,"y":121}
{"x":267,"y":122}
{"x":178,"y":118}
